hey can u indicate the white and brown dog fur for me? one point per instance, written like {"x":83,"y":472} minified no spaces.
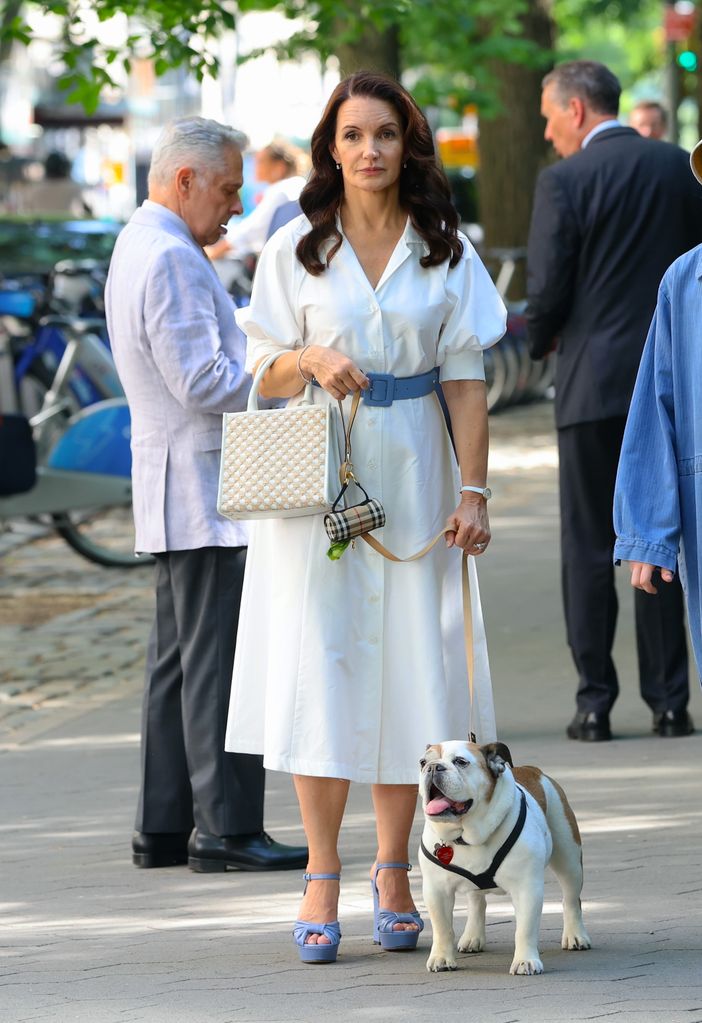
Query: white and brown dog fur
{"x":473,"y":795}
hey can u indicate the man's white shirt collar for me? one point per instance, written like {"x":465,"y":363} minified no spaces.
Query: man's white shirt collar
{"x":602,"y":126}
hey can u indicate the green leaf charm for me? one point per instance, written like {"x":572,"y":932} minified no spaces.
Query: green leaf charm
{"x":337,"y":549}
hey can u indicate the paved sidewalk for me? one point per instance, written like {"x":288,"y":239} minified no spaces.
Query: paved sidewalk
{"x":86,"y":938}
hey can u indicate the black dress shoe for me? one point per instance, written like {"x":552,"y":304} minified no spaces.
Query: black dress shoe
{"x":588,"y":726}
{"x":208,"y":854}
{"x":672,"y":724}
{"x":159,"y":849}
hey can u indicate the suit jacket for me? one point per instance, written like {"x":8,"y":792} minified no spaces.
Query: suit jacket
{"x":606,"y":224}
{"x":180,"y":357}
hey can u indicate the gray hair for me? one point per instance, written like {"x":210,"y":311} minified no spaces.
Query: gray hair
{"x":590,"y":81}
{"x":192,"y":141}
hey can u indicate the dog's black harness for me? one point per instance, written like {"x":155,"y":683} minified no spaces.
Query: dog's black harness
{"x":486,"y":880}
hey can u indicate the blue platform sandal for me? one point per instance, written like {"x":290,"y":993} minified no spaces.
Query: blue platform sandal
{"x":385,"y":919}
{"x":303,"y":928}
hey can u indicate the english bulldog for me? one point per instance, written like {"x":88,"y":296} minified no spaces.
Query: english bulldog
{"x":492,"y":826}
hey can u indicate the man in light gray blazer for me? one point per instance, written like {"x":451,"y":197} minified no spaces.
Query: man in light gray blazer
{"x":180,"y":357}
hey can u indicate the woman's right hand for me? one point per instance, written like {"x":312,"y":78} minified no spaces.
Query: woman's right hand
{"x":642,"y":576}
{"x":336,"y":373}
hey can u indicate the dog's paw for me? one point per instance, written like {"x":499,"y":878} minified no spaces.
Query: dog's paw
{"x":577,"y":942}
{"x":440,"y":962}
{"x":526,"y":967}
{"x":471,"y":943}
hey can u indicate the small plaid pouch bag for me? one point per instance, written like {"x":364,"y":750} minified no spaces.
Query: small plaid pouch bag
{"x":346,"y":523}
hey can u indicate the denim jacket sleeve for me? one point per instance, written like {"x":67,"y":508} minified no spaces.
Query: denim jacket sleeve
{"x":646,"y":499}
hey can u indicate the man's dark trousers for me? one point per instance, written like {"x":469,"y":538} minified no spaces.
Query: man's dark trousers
{"x":187,"y":778}
{"x":588,"y":457}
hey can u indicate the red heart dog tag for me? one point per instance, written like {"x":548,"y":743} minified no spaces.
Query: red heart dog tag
{"x":444,"y":853}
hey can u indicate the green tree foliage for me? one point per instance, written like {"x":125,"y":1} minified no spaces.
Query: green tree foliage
{"x":172,"y":33}
{"x":451,"y":45}
{"x":451,"y":41}
{"x":454,"y":46}
{"x":626,"y":35}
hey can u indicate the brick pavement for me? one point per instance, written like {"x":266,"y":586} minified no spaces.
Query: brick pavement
{"x":72,"y":633}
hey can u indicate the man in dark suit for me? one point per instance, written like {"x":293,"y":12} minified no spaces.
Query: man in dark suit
{"x":607,"y":222}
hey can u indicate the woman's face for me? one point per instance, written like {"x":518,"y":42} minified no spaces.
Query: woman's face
{"x":368,"y":144}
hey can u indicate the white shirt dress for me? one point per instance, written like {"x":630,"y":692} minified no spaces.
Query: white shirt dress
{"x":347,"y":669}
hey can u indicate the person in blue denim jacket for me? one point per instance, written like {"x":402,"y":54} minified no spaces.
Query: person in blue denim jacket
{"x":658,"y":494}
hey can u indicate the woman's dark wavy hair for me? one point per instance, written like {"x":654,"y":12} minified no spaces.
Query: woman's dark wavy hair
{"x":424,"y":189}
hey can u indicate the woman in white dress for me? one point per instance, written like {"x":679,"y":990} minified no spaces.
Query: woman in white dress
{"x":346,"y":669}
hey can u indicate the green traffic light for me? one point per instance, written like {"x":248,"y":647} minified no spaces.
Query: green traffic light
{"x":687,"y":60}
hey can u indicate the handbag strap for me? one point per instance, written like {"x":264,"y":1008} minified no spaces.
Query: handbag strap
{"x":467,"y":607}
{"x":263,"y":367}
{"x":346,"y":474}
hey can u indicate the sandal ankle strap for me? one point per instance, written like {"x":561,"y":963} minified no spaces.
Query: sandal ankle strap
{"x":321,"y":877}
{"x":392,"y":864}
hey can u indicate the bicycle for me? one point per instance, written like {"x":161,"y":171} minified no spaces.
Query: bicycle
{"x":510,"y":374}
{"x":84,"y":460}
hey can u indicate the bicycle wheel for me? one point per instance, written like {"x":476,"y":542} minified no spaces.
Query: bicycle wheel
{"x":103,"y":535}
{"x":95,"y":448}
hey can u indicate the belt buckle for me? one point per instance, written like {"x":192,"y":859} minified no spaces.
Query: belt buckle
{"x":381,"y":392}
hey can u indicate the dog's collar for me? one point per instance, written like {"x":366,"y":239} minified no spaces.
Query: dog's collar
{"x":486,"y":880}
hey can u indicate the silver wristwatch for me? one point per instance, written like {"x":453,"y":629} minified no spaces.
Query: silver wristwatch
{"x":483,"y":491}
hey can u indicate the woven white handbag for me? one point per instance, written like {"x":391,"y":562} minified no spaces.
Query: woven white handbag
{"x":278,"y":463}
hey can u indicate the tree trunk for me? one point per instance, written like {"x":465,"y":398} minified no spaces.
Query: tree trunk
{"x":11,"y":9}
{"x":373,"y":51}
{"x":513,"y":148}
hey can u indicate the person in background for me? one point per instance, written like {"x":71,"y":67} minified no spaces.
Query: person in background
{"x":650,"y":119}
{"x":658,"y":493}
{"x":277,"y":166}
{"x":56,"y":193}
{"x":180,"y":357}
{"x":283,"y":215}
{"x":606,"y":222}
{"x":359,"y":663}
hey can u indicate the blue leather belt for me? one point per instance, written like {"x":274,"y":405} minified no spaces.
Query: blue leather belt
{"x":386,"y":388}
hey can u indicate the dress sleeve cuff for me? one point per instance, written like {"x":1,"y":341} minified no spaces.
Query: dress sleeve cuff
{"x":465,"y":365}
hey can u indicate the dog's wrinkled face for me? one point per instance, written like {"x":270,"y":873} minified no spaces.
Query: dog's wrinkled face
{"x":457,"y":775}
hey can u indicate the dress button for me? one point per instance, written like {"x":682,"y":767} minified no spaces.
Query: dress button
{"x":370,"y":421}
{"x":374,"y":598}
{"x":373,"y":640}
{"x":372,"y":464}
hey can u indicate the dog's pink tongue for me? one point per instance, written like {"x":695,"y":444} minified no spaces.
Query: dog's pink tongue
{"x":438,"y":805}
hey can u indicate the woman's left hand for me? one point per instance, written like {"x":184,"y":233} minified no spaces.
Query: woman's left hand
{"x":469,"y":526}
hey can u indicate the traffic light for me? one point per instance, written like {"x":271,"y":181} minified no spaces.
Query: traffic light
{"x":687,"y":59}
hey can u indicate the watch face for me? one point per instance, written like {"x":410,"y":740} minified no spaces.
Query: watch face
{"x":487,"y":493}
